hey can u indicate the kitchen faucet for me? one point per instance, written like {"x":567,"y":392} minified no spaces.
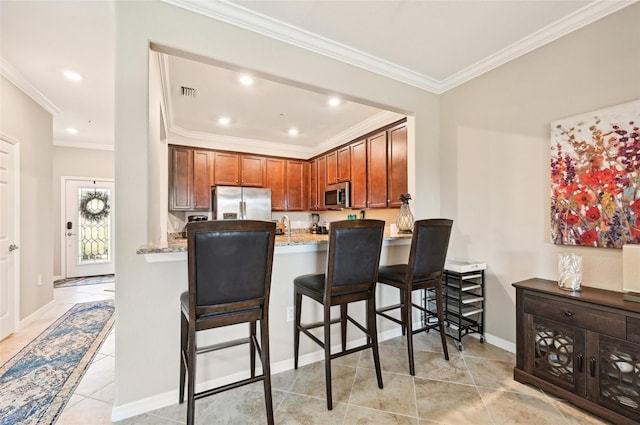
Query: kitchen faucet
{"x":287,"y":223}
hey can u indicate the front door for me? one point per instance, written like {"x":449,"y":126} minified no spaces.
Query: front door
{"x":9,"y":260}
{"x":88,"y":228}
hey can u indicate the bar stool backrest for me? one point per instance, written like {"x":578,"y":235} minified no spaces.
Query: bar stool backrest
{"x":429,"y":247}
{"x":354,"y":255}
{"x":230,"y":263}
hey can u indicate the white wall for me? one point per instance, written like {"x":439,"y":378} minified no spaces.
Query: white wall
{"x":24,"y":120}
{"x":147,"y":294}
{"x":496,"y":153}
{"x":74,"y":162}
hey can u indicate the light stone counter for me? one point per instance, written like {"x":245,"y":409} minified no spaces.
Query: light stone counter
{"x":176,"y":248}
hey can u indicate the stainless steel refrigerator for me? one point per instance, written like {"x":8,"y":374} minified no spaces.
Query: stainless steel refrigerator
{"x":241,"y":203}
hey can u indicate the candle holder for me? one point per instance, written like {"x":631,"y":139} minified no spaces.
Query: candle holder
{"x":570,"y":271}
{"x":404,"y":221}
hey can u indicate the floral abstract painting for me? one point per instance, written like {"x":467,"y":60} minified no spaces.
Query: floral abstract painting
{"x":595,"y":178}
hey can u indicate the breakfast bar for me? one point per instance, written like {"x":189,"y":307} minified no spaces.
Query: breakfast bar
{"x":301,"y":253}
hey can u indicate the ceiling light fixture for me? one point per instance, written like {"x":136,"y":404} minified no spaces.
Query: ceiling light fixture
{"x":72,"y":75}
{"x":334,"y":101}
{"x":72,"y":130}
{"x":246,"y":80}
{"x":224,"y":120}
{"x":293,"y":132}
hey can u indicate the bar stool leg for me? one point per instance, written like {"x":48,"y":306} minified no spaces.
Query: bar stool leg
{"x":296,"y":329}
{"x":191,"y":374}
{"x":327,"y":354}
{"x":443,"y":337}
{"x":184,"y":329}
{"x":266,"y":367}
{"x":252,"y":347}
{"x":373,"y":336}
{"x":343,"y":325}
{"x":407,"y":319}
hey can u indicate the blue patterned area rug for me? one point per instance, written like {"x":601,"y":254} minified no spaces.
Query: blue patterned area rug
{"x":79,"y":281}
{"x":36,"y":383}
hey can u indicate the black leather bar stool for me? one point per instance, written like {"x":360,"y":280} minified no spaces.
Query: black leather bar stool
{"x":229,"y":265}
{"x":429,"y":245}
{"x":352,"y":268}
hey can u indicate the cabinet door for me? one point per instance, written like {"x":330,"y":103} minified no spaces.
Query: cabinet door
{"x":201,"y":180}
{"x":556,"y":353}
{"x":227,"y":169}
{"x":252,"y":170}
{"x":313,"y":186}
{"x":344,"y":164}
{"x":359,"y":174}
{"x":613,"y":376}
{"x":332,"y":168}
{"x":322,"y":178}
{"x":180,"y":178}
{"x":276,"y":175}
{"x":377,"y":166}
{"x":397,"y":165}
{"x":295,"y":185}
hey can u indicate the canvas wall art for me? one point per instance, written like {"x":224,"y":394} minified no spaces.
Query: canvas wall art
{"x":595,"y":178}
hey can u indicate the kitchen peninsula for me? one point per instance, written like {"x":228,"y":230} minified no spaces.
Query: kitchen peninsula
{"x":300,"y":254}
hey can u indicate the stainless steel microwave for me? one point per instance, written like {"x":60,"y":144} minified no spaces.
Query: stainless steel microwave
{"x":337,"y":196}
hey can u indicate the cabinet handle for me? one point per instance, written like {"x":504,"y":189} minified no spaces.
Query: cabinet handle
{"x":579,"y":361}
{"x":568,"y":313}
{"x":592,"y":366}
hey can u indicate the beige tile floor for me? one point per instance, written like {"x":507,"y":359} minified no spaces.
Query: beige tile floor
{"x":474,"y":387}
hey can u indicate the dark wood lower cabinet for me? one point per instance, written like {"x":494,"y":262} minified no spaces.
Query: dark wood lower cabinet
{"x":580,"y":346}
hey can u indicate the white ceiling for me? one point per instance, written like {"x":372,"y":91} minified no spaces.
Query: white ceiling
{"x":433,"y":45}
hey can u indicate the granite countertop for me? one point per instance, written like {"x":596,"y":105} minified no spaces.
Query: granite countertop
{"x":179,"y":244}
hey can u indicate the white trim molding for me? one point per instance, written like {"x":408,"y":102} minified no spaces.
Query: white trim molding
{"x":15,"y":77}
{"x":83,"y":145}
{"x":242,"y":17}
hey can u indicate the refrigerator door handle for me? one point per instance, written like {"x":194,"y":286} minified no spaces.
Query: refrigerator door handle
{"x":243,"y":210}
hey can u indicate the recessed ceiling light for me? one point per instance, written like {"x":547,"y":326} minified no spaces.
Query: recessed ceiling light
{"x":246,"y":80}
{"x":334,"y":101}
{"x":72,"y":75}
{"x":293,"y":132}
{"x":72,"y":130}
{"x":224,"y":120}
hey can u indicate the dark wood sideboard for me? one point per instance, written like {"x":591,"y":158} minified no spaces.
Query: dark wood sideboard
{"x":581,"y":346}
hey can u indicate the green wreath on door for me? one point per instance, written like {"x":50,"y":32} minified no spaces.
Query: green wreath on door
{"x":95,"y":206}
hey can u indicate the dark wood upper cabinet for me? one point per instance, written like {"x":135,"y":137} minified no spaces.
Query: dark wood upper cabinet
{"x":227,"y":169}
{"x":276,"y":180}
{"x":359,"y":174}
{"x":344,"y":164}
{"x":180,"y":178}
{"x":295,"y":178}
{"x":313,"y":194}
{"x":322,"y":178}
{"x":202,"y":168}
{"x":397,"y":164}
{"x":332,"y":167}
{"x":377,"y":166}
{"x":253,"y":170}
{"x":189,"y":179}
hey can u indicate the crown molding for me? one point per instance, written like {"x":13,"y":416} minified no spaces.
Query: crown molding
{"x":245,"y":18}
{"x":83,"y":145}
{"x":15,"y":77}
{"x":242,"y":17}
{"x":578,"y":19}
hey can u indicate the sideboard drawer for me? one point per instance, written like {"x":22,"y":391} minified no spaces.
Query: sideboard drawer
{"x":633,"y":329}
{"x":577,"y":315}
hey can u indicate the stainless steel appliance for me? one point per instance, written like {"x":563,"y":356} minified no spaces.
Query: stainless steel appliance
{"x":240,"y":203}
{"x":336,"y":196}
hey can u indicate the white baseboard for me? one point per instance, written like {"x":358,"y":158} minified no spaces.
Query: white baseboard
{"x":35,"y":315}
{"x":168,"y":398}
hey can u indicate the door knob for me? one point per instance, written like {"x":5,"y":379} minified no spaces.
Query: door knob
{"x":70,"y":234}
{"x":13,"y":247}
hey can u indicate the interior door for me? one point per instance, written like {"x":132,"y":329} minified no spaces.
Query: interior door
{"x":89,"y":227}
{"x":9,"y":259}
